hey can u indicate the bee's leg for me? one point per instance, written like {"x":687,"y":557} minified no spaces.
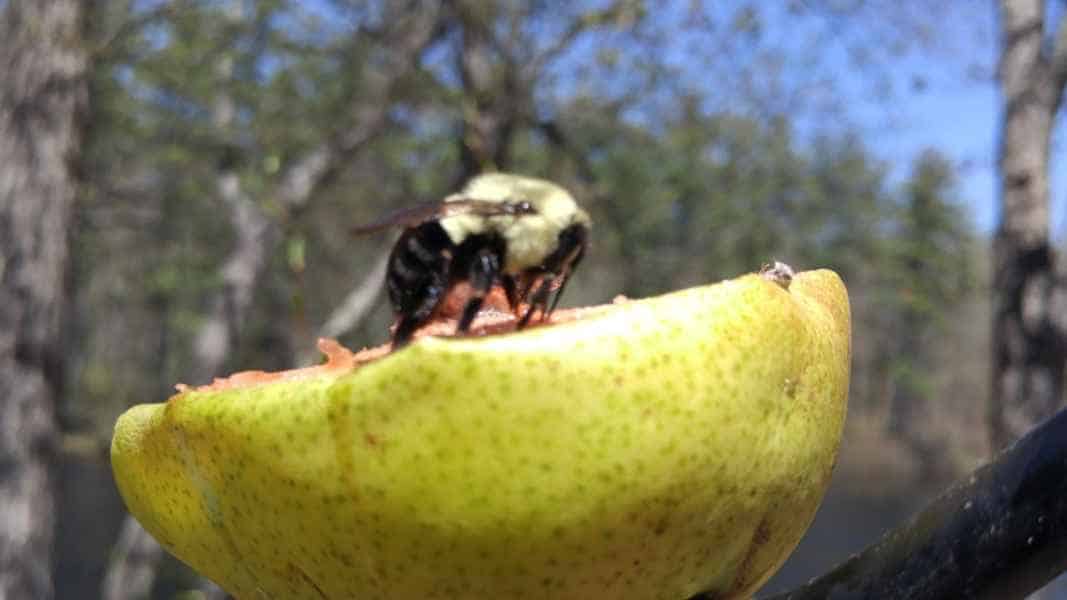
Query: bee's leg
{"x":564,"y":277}
{"x":405,"y":328}
{"x":409,"y":321}
{"x":572,"y":244}
{"x":538,"y":300}
{"x":511,"y":292}
{"x":484,"y":270}
{"x":523,"y":284}
{"x":559,"y":266}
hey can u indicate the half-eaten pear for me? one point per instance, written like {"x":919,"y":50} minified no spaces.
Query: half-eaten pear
{"x":649,"y":449}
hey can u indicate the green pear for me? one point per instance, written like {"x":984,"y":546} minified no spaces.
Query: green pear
{"x":648,"y":449}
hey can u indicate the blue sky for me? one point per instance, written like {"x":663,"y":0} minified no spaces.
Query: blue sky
{"x":958,"y":113}
{"x":941,"y":93}
{"x":955,"y":111}
{"x":960,"y":120}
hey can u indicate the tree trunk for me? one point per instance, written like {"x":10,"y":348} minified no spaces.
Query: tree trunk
{"x":491,"y":97}
{"x":1030,"y":300}
{"x":42,"y":97}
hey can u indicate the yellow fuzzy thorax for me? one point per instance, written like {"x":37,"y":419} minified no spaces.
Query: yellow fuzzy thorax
{"x":529,"y":238}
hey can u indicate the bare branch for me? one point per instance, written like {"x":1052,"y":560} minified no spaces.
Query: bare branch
{"x":134,"y":564}
{"x":492,"y":98}
{"x":256,"y":238}
{"x":355,"y":307}
{"x":556,"y":136}
{"x":358,"y":302}
{"x":104,"y":47}
{"x":413,"y":32}
{"x":132,"y":570}
{"x":617,"y":11}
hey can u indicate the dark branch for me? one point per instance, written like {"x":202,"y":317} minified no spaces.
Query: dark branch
{"x":412,"y":33}
{"x":613,"y":13}
{"x":356,"y":306}
{"x":1000,"y":533}
{"x":104,"y":48}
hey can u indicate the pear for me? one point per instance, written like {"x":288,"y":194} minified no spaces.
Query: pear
{"x":649,"y":449}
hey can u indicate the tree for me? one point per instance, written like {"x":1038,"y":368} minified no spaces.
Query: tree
{"x":1030,"y":295}
{"x":257,"y":235}
{"x":234,"y":144}
{"x":503,"y":57}
{"x":930,"y":270}
{"x":41,"y":106}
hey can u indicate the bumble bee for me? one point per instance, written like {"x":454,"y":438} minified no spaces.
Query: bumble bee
{"x":526,"y":234}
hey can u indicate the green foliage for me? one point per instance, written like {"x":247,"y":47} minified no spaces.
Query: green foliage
{"x":930,"y":271}
{"x":707,"y":196}
{"x":682,"y":189}
{"x":932,"y":262}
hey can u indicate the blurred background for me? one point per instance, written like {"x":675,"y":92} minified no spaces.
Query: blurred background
{"x":177,"y":181}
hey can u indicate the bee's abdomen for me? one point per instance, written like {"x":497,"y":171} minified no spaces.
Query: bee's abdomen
{"x":419,"y":267}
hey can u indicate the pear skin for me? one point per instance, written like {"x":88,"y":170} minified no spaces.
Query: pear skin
{"x":650,"y":449}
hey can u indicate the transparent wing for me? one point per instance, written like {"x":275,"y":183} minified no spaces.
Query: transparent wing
{"x":417,"y":215}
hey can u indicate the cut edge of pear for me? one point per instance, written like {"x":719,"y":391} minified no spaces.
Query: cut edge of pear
{"x":492,"y":320}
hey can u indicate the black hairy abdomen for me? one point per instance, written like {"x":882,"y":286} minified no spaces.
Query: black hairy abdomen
{"x":425,"y":263}
{"x":418,"y":265}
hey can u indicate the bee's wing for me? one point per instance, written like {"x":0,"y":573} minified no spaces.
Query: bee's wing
{"x":417,"y":215}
